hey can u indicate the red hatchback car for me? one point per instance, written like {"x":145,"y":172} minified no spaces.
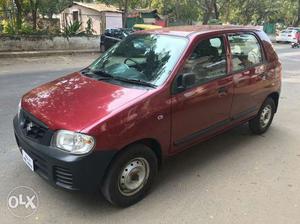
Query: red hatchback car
{"x":153,"y":95}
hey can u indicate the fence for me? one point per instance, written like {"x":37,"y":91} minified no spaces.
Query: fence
{"x":40,"y":43}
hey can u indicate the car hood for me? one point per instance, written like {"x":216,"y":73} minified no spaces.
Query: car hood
{"x":75,"y":102}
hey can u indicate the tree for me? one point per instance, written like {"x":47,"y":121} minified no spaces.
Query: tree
{"x":297,"y":23}
{"x":34,"y":9}
{"x":50,"y":7}
{"x":19,"y":5}
{"x":183,"y":11}
{"x":4,"y":8}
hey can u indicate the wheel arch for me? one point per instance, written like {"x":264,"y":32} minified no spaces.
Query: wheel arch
{"x":275,"y":97}
{"x":153,"y":144}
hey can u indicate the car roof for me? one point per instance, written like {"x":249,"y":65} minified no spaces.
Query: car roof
{"x":186,"y":31}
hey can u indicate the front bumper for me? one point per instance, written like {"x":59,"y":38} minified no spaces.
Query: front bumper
{"x":59,"y":168}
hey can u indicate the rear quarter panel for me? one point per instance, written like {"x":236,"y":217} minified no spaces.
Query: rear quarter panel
{"x":273,"y":65}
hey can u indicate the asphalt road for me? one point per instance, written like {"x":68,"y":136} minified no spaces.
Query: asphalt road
{"x":233,"y":178}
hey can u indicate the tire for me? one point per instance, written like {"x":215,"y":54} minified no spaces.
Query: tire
{"x":123,"y":185}
{"x":261,"y":123}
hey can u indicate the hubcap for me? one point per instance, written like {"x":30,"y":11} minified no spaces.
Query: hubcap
{"x":265,"y":116}
{"x":133,"y":176}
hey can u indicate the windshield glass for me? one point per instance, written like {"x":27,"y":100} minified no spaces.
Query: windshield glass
{"x":143,"y":57}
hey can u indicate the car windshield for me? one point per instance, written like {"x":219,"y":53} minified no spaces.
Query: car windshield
{"x":146,"y":58}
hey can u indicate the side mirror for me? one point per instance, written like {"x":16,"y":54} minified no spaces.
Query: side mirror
{"x":187,"y":80}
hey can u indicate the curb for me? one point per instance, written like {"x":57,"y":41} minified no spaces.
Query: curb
{"x":45,"y":53}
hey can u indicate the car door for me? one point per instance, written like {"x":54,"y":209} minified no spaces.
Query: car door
{"x":203,"y":108}
{"x":249,"y":74}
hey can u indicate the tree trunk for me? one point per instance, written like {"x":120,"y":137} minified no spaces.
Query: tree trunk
{"x":4,"y":8}
{"x":34,"y":6}
{"x":217,"y":13}
{"x":298,"y":17}
{"x":50,"y":15}
{"x":227,"y":11}
{"x":208,"y":11}
{"x":34,"y":20}
{"x":206,"y":17}
{"x":177,"y":8}
{"x":19,"y":4}
{"x":125,"y":13}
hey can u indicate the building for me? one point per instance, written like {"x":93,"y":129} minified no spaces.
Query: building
{"x":145,"y":16}
{"x":102,"y":16}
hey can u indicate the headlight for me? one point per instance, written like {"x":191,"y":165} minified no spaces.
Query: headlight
{"x":73,"y":142}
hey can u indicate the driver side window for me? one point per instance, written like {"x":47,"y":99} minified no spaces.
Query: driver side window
{"x":207,"y":62}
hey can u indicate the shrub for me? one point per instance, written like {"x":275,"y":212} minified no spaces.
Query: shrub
{"x":89,"y":27}
{"x":72,"y":29}
{"x":8,"y":27}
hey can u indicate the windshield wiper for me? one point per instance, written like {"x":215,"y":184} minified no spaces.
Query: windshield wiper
{"x":102,"y":73}
{"x":105,"y":75}
{"x":136,"y":81}
{"x":91,"y":73}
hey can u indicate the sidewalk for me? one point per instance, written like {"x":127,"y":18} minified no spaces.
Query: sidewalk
{"x":15,"y":54}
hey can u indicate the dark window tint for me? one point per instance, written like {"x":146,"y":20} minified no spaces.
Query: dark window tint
{"x":208,"y":60}
{"x":246,"y":51}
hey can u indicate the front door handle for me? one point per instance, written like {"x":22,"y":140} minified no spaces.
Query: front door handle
{"x":222,"y":91}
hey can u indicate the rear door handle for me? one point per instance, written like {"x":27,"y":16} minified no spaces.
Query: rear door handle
{"x":263,"y":75}
{"x":222,"y":91}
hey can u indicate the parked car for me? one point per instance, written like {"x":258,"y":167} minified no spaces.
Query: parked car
{"x":146,"y":27}
{"x":111,"y":125}
{"x":292,"y":28}
{"x":113,"y":36}
{"x":288,"y":35}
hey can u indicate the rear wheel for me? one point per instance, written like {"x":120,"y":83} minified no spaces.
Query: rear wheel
{"x":264,"y":118}
{"x":130,"y":176}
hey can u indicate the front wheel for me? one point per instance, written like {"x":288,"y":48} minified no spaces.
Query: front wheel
{"x":130,"y":176}
{"x":261,"y":123}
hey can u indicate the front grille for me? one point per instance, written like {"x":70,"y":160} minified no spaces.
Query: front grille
{"x":34,"y":129}
{"x":63,"y":177}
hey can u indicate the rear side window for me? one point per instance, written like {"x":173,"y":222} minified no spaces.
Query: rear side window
{"x":245,"y":50}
